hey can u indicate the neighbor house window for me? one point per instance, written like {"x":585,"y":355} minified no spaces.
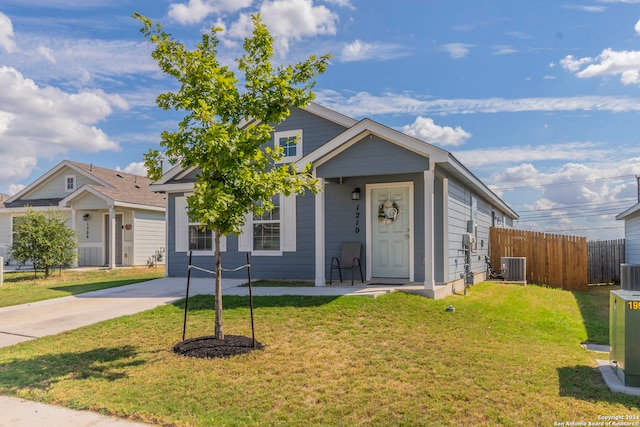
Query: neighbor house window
{"x":70,"y":183}
{"x":266,"y":228}
{"x":291,"y":143}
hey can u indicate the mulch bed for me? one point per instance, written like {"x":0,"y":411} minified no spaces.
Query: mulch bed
{"x":210,"y":347}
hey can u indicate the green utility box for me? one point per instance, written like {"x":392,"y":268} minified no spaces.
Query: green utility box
{"x":624,"y":335}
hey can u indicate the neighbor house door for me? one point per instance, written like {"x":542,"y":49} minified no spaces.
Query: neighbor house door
{"x":391,"y":233}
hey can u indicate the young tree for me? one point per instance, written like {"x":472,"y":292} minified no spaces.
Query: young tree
{"x":44,"y":239}
{"x":227,"y":126}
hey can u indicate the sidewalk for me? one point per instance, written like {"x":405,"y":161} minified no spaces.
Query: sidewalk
{"x":34,"y":320}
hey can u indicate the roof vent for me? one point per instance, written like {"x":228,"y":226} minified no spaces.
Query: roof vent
{"x":119,"y":175}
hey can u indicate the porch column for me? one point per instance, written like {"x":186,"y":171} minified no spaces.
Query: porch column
{"x":429,"y":275}
{"x":319,"y":225}
{"x":74,"y":227}
{"x":112,"y":238}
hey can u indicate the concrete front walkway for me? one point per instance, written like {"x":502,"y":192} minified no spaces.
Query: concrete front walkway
{"x":29,"y":321}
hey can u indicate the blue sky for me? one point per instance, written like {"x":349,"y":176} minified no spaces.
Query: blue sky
{"x":541,"y":100}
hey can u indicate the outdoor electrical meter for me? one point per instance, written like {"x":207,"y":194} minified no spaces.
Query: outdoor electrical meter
{"x":624,"y":335}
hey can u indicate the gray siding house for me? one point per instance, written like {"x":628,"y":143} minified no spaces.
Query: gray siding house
{"x":409,"y":203}
{"x":118,"y":220}
{"x":631,"y":219}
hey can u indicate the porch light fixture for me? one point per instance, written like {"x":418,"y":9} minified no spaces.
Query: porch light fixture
{"x":355,"y":194}
{"x":85,"y":217}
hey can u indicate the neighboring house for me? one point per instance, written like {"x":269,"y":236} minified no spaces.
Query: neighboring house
{"x":3,"y":198}
{"x":631,"y":219}
{"x":367,"y":172}
{"x":118,"y":220}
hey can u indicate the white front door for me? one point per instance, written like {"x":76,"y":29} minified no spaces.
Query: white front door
{"x":391,"y":234}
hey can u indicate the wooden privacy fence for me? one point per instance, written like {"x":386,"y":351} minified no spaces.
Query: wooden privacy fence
{"x":553,"y":260}
{"x":605,"y":257}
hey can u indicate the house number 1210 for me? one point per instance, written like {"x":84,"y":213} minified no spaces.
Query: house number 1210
{"x":357,"y":229}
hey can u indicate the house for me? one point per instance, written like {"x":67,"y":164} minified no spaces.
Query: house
{"x":413,"y":207}
{"x":631,"y":218}
{"x":118,"y":220}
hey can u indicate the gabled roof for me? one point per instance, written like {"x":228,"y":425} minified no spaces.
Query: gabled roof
{"x":354,"y":132}
{"x":443,"y":158}
{"x":632,"y":210}
{"x":117,"y":187}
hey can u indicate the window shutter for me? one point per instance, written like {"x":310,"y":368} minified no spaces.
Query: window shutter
{"x":246,"y":236}
{"x":288,"y":219}
{"x":181,"y":224}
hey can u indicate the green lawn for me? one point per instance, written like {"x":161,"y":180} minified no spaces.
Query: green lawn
{"x":21,"y":287}
{"x":507,"y":355}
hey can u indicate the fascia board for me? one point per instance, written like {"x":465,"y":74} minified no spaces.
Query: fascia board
{"x":83,"y":189}
{"x":628,"y":212}
{"x":52,"y":172}
{"x":476,"y":182}
{"x":171,"y":188}
{"x":139,"y":207}
{"x":368,"y":127}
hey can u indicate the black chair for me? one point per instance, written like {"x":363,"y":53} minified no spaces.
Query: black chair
{"x":349,"y":260}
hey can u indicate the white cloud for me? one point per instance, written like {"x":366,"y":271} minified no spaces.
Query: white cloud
{"x":357,"y":51}
{"x":195,"y":11}
{"x":136,"y":168}
{"x":287,"y":21}
{"x":296,"y":19}
{"x":585,"y":8}
{"x":78,"y":61}
{"x":45,"y":121}
{"x":637,"y":27}
{"x":514,"y":155}
{"x":503,"y":50}
{"x":361,"y":51}
{"x":425,"y":129}
{"x":47,"y":53}
{"x":457,"y":50}
{"x":341,"y":3}
{"x":519,"y":34}
{"x":6,"y":34}
{"x":572,"y":64}
{"x":364,"y":104}
{"x":625,"y":64}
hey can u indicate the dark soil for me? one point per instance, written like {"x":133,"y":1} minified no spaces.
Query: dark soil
{"x":210,"y":347}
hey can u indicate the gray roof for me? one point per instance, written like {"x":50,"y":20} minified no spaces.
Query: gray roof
{"x":121,"y":187}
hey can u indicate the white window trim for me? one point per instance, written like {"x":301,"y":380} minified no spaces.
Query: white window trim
{"x":277,"y":136}
{"x":287,"y":230}
{"x":182,"y":224}
{"x":66,"y":179}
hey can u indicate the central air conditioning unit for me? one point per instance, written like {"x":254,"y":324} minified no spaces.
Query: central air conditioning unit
{"x":514,"y":269}
{"x":630,"y":277}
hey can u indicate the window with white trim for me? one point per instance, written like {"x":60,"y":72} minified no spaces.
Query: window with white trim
{"x":199,"y":239}
{"x":69,"y":183}
{"x":266,"y":228}
{"x":272,"y":233}
{"x":291,"y":143}
{"x":189,"y":236}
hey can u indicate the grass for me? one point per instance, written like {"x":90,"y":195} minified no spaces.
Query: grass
{"x":507,"y":355}
{"x":22,"y":287}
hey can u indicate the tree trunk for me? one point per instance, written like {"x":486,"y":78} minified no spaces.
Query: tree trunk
{"x":219,"y":334}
